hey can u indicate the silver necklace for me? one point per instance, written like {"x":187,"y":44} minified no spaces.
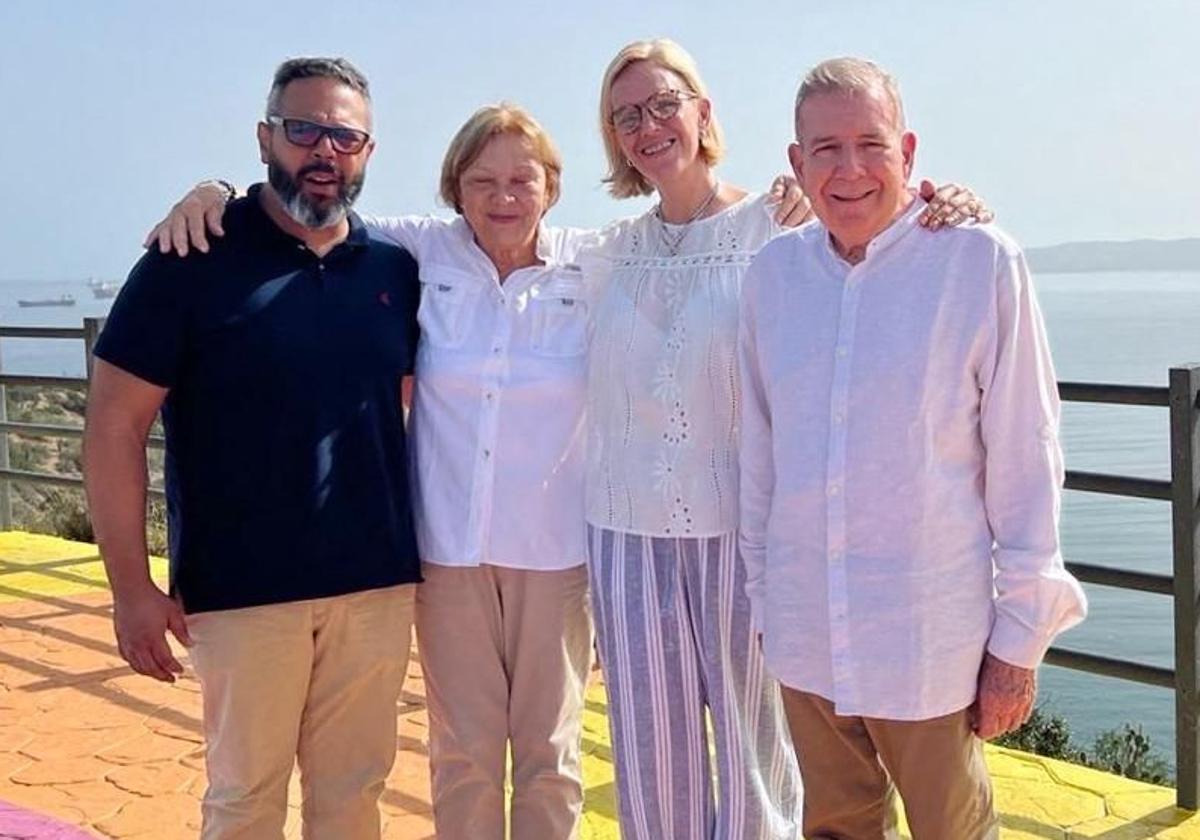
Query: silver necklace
{"x":670,"y":240}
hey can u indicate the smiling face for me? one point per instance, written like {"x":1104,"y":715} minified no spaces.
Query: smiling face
{"x":316,"y":185}
{"x":503,"y":194}
{"x":853,"y":160}
{"x":660,"y":150}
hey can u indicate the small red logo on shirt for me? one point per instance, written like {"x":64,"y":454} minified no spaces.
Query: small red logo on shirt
{"x":385,"y":298}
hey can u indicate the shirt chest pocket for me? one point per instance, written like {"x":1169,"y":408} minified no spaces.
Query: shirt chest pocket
{"x":559,"y":321}
{"x":448,"y":301}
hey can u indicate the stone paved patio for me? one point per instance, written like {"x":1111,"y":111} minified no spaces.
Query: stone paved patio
{"x":86,"y":741}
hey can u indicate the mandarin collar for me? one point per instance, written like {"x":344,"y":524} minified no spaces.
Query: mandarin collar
{"x":899,"y":228}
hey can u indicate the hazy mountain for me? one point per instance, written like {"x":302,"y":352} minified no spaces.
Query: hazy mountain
{"x":1139,"y":255}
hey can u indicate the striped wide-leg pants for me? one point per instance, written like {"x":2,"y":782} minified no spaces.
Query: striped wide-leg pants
{"x":673,"y":627}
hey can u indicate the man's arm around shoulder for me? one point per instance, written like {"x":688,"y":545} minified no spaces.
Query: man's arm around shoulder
{"x":120,"y":411}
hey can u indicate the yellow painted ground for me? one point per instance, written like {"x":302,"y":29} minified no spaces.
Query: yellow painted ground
{"x":36,"y":564}
{"x":1037,"y":797}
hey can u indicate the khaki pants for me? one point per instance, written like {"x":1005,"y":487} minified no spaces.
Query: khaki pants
{"x":505,"y":653}
{"x":849,"y":765}
{"x":309,"y":681}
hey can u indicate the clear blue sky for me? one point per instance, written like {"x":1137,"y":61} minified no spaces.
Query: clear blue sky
{"x":1076,"y":120}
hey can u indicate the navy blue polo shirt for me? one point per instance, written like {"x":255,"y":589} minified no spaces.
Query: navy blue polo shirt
{"x":286,"y":463}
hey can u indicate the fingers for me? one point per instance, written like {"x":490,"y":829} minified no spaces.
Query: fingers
{"x":196,"y":228}
{"x":166,"y":663}
{"x":800,"y":213}
{"x":161,"y":234}
{"x":177,"y":624}
{"x":778,"y":188}
{"x":145,"y":659}
{"x":990,"y":718}
{"x":212,"y":218}
{"x":177,"y":223}
{"x":794,"y":208}
{"x":946,"y":205}
{"x":152,"y":237}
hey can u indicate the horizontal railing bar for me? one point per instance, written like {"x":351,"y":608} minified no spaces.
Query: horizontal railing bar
{"x":1103,"y":392}
{"x":1106,"y":666}
{"x":41,"y":332}
{"x":1123,"y":578}
{"x":60,"y":480}
{"x":53,"y":430}
{"x":43,"y":429}
{"x":42,"y":381}
{"x":42,"y":478}
{"x":1118,"y":485}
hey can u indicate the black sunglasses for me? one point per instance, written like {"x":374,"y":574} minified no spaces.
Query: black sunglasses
{"x":347,"y":141}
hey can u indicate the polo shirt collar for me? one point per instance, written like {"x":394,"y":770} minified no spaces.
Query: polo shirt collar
{"x":358,"y":236}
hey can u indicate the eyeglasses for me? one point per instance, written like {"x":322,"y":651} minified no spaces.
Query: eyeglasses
{"x":662,"y":106}
{"x":346,"y":141}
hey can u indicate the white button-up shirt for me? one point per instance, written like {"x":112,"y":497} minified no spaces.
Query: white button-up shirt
{"x":900,"y":467}
{"x":497,"y":424}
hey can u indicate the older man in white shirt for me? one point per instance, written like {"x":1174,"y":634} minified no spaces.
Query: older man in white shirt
{"x":900,"y":474}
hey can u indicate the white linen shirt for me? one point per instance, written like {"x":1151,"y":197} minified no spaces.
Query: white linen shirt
{"x":663,"y":380}
{"x":497,"y":423}
{"x":900,"y":467}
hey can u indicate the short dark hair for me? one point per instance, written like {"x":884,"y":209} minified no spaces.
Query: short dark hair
{"x":338,"y":69}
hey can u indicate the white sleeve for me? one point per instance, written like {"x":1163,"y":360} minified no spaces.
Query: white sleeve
{"x":1036,"y":598}
{"x":755,"y":453}
{"x":409,"y":232}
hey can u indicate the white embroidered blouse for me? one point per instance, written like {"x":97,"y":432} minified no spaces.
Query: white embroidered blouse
{"x":663,"y":387}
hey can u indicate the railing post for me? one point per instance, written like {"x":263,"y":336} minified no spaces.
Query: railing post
{"x":5,"y":482}
{"x":91,"y":332}
{"x":1185,"y":483}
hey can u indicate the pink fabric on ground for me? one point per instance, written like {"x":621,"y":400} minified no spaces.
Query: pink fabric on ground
{"x":17,"y":823}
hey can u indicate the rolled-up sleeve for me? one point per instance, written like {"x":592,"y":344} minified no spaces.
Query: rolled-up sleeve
{"x":1036,"y":598}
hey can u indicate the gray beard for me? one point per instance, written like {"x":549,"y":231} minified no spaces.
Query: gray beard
{"x":301,"y":209}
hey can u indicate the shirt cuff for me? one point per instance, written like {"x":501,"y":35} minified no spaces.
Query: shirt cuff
{"x":1017,"y":644}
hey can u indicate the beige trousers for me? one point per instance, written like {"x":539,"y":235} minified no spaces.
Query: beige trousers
{"x":851,"y":768}
{"x":309,"y":681}
{"x":505,"y":653}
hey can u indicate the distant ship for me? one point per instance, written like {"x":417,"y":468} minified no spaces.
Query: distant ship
{"x":64,"y":300}
{"x":102,"y":290}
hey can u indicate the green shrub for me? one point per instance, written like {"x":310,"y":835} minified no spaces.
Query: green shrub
{"x":1044,"y":734}
{"x":1126,"y":750}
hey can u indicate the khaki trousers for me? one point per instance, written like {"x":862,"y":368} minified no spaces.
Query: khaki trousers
{"x":851,"y":768}
{"x":505,"y":653}
{"x":309,"y":681}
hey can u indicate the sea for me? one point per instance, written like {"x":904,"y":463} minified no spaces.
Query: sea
{"x":1127,"y":328}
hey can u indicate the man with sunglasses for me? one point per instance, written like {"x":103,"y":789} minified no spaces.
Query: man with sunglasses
{"x":277,"y":359}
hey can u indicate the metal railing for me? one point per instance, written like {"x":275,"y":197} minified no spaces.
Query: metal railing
{"x":88,"y":334}
{"x":1183,"y":584}
{"x":1180,"y":396}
